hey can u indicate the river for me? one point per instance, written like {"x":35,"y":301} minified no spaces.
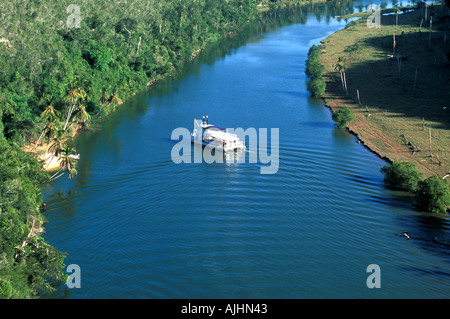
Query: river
{"x":140,"y":226}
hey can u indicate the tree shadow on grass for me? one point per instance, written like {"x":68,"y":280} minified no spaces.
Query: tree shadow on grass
{"x":411,"y":80}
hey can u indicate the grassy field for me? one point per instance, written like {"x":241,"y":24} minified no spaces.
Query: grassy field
{"x":404,"y":92}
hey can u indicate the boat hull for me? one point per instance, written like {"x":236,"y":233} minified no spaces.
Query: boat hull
{"x":217,"y":146}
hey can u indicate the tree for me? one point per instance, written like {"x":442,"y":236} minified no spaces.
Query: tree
{"x":433,"y":195}
{"x":397,"y":11}
{"x":73,"y":97}
{"x":115,"y":99}
{"x":316,"y":86}
{"x":81,"y":116}
{"x":339,"y":66}
{"x":57,"y":142}
{"x":50,"y":131}
{"x":68,"y":161}
{"x":343,"y":116}
{"x":50,"y":115}
{"x":401,"y":176}
{"x":314,"y":70}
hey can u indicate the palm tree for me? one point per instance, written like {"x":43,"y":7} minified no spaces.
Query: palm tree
{"x":73,"y":97}
{"x":68,"y":161}
{"x":339,"y":66}
{"x":49,"y":115}
{"x":50,"y":131}
{"x":57,"y":142}
{"x":115,"y":99}
{"x":81,"y":115}
{"x":50,"y":112}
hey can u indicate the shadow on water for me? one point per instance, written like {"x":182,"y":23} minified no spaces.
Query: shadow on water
{"x":294,"y":94}
{"x":366,"y":180}
{"x":429,"y":231}
{"x":328,"y":125}
{"x":316,"y":102}
{"x":435,"y":272}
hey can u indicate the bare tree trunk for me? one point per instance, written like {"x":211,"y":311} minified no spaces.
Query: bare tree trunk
{"x":69,"y":114}
{"x":415,"y":80}
{"x":42,"y":134}
{"x":25,"y":242}
{"x":60,"y":172}
{"x":129,"y":33}
{"x":139,"y":45}
{"x":420,"y":27}
{"x":431,"y":24}
{"x":357,"y":95}
{"x":396,"y":22}
{"x":393,"y":46}
{"x":431,"y":154}
{"x":439,"y":160}
{"x":345,"y":83}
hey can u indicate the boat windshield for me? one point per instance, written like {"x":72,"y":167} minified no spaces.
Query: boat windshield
{"x":215,"y":128}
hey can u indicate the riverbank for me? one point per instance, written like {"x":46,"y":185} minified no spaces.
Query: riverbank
{"x":403,"y":90}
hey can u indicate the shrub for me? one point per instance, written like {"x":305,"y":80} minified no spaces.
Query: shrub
{"x":316,"y":87}
{"x":314,"y":70}
{"x":401,"y":176}
{"x":313,"y":66}
{"x":433,"y":195}
{"x":351,"y":48}
{"x":343,"y":116}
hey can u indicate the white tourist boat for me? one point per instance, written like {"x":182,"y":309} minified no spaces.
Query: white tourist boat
{"x":213,"y":136}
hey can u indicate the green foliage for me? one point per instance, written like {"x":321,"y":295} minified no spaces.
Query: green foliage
{"x":314,"y":70}
{"x":343,"y":116}
{"x":351,"y":48}
{"x":5,"y":289}
{"x":37,"y":266}
{"x":401,"y":176}
{"x":316,"y":86}
{"x":118,"y":49}
{"x":433,"y":195}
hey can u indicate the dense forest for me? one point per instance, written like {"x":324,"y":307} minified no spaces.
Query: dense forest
{"x":108,"y":49}
{"x":65,"y":66}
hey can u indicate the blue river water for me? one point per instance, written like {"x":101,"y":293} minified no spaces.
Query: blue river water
{"x":141,"y":226}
